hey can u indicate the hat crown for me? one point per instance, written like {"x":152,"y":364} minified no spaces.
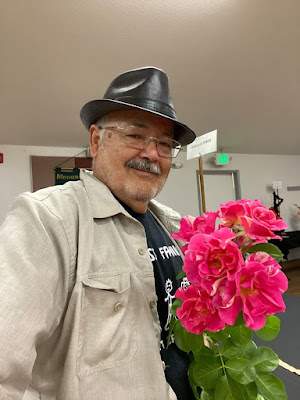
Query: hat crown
{"x":146,"y":87}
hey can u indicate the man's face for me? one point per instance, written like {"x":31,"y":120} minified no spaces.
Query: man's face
{"x":129,"y":182}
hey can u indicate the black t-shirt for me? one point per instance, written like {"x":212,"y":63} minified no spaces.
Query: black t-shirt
{"x":167,"y":262}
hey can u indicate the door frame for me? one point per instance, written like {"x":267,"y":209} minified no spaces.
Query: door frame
{"x":236,"y":183}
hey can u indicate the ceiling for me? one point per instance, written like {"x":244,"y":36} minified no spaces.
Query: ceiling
{"x":233,"y":65}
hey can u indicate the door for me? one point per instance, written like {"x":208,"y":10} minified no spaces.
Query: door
{"x":219,"y":187}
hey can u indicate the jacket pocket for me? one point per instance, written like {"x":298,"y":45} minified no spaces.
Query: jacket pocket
{"x":106,"y":336}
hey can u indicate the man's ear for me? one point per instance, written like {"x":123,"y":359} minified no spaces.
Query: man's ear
{"x":94,"y":140}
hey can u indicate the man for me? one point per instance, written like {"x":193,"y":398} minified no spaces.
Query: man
{"x":88,"y":269}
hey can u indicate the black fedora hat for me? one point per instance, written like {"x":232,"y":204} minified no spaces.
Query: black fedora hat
{"x":144,"y":89}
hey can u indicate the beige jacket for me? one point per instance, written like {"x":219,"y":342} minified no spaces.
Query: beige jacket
{"x":78,"y":317}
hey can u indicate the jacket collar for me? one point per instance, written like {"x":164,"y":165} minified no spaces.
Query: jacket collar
{"x":104,"y":204}
{"x":102,"y":201}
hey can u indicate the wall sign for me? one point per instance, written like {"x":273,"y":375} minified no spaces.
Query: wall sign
{"x":62,"y":176}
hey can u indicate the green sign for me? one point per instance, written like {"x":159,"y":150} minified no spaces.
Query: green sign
{"x":222,"y":159}
{"x":62,"y":176}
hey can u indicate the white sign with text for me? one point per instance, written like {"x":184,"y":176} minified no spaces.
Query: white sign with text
{"x":277,"y":184}
{"x":203,"y":144}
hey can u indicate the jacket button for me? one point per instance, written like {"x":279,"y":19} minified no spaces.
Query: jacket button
{"x":118,"y":306}
{"x":141,"y":252}
{"x":164,"y":365}
{"x":152,"y":303}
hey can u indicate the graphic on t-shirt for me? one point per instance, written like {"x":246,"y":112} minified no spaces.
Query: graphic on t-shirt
{"x":169,"y":300}
{"x":185,"y":283}
{"x":165,"y":252}
{"x":167,"y":262}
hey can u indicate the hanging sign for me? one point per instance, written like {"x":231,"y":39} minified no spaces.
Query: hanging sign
{"x":203,"y":144}
{"x":63,"y":176}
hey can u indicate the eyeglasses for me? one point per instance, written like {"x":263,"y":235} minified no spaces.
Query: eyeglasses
{"x":136,"y":138}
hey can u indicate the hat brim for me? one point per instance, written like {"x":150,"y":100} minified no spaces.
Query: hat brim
{"x":92,"y":111}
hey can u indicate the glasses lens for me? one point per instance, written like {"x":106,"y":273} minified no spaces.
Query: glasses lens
{"x":176,"y":150}
{"x":167,"y":147}
{"x":134,"y":140}
{"x":137,"y":139}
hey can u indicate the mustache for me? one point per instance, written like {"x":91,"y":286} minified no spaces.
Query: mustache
{"x":144,"y":166}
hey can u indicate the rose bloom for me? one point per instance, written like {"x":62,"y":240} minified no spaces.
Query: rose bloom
{"x":212,"y":257}
{"x":189,"y":226}
{"x":260,"y":286}
{"x":226,"y":300}
{"x":253,"y":219}
{"x":265,"y":259}
{"x":207,"y":222}
{"x":186,"y":230}
{"x":197,"y":312}
{"x":232,"y":211}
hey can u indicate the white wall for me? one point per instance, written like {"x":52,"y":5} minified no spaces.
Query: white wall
{"x":257,"y":173}
{"x":15,"y":172}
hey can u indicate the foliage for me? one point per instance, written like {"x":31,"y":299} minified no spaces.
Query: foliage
{"x":236,"y":287}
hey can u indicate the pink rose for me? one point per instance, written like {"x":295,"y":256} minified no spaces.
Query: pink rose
{"x":207,"y":222}
{"x":262,"y":223}
{"x":265,"y":259}
{"x":232,"y":211}
{"x":197,"y":312}
{"x":226,"y":300}
{"x":212,"y":257}
{"x":186,"y":230}
{"x":260,"y":286}
{"x":252,"y":220}
{"x":189,"y":226}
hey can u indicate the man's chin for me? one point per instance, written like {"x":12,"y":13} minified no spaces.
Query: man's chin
{"x":142,"y":194}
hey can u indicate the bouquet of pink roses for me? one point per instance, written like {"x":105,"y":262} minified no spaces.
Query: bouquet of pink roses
{"x":235,"y":287}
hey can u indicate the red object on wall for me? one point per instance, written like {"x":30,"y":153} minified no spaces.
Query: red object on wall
{"x":1,"y":158}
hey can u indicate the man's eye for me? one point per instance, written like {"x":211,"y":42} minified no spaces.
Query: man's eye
{"x":165,"y":144}
{"x":134,"y":136}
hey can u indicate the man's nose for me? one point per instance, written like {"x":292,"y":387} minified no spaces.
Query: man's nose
{"x":150,"y":150}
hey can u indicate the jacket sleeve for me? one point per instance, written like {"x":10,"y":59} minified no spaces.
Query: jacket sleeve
{"x":34,"y":265}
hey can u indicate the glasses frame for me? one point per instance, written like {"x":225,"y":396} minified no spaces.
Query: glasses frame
{"x":122,"y":131}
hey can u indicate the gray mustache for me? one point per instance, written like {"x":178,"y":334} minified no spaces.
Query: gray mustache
{"x":144,"y":166}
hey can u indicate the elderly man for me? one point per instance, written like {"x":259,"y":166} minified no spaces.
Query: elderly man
{"x":88,"y":269}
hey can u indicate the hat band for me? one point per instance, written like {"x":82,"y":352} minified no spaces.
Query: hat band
{"x":151,"y":105}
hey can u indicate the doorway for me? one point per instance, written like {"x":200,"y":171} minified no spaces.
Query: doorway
{"x":219,"y":187}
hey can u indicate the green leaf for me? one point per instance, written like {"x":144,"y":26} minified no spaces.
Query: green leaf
{"x":219,"y":336}
{"x":181,"y":274}
{"x":241,"y":370}
{"x":251,"y":390}
{"x":171,"y":328}
{"x":270,"y":330}
{"x":195,"y":342}
{"x":228,"y":389}
{"x":259,"y":397}
{"x":176,"y":304}
{"x":187,"y":341}
{"x":239,"y":320}
{"x":205,"y":351}
{"x":265,"y":359}
{"x":194,"y":387}
{"x":230,"y":350}
{"x":270,"y":386}
{"x":206,"y":372}
{"x":267,"y":248}
{"x":249,"y":350}
{"x":206,"y":396}
{"x":180,"y":336}
{"x":240,"y":335}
